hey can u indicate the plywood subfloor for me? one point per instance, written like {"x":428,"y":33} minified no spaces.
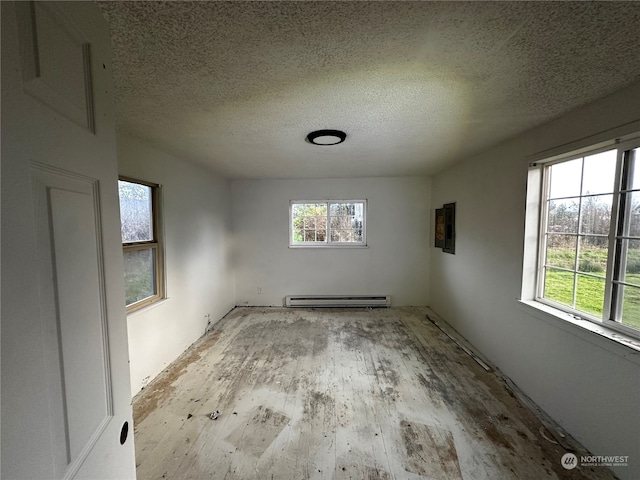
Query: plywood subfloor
{"x":336,"y":394}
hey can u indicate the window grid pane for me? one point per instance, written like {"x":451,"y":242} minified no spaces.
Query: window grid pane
{"x":561,"y":251}
{"x":632,"y":265}
{"x":565,"y":179}
{"x":563,"y":215}
{"x":590,"y":294}
{"x":632,"y":199}
{"x":559,"y":286}
{"x":595,"y":213}
{"x":136,"y":212}
{"x":140,"y":272}
{"x":634,"y":173}
{"x":599,"y":172}
{"x":593,"y":255}
{"x":631,"y":306}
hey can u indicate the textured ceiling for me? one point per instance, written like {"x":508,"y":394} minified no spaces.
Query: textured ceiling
{"x":415,"y":85}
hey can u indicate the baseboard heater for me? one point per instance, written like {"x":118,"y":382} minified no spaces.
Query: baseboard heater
{"x":337,"y":301}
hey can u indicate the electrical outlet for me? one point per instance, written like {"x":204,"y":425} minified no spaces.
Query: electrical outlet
{"x":259,"y":289}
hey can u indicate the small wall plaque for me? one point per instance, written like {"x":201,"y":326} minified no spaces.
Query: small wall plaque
{"x":445,"y":228}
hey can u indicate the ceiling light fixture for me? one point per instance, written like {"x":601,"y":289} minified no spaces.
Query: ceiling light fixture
{"x":326,"y":137}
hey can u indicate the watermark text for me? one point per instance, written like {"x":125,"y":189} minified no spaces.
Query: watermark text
{"x":570,"y":461}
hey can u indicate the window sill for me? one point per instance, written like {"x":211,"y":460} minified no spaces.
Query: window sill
{"x":600,"y":335}
{"x":146,"y":308}
{"x":327,"y":246}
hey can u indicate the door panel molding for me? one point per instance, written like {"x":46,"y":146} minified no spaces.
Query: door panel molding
{"x":56,"y":61}
{"x":73,"y":306}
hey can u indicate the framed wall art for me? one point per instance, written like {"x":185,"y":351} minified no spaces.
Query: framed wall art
{"x":439,"y":239}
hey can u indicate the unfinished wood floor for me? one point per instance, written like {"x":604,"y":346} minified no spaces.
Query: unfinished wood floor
{"x":336,"y":394}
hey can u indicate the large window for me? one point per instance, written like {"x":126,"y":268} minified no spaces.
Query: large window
{"x":327,"y":223}
{"x":141,"y":242}
{"x":589,"y":260}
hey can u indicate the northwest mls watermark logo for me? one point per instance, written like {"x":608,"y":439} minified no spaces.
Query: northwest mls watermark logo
{"x":570,"y":461}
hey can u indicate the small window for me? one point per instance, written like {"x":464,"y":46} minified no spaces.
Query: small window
{"x":141,"y":243}
{"x":589,"y":262}
{"x":327,"y":223}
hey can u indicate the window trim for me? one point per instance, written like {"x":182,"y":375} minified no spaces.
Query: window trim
{"x":536,"y":201}
{"x":328,"y":244}
{"x":157,"y":245}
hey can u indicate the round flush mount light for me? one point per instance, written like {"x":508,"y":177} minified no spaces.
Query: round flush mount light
{"x":326,"y":137}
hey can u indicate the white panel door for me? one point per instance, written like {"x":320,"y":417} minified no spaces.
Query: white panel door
{"x":66,"y":402}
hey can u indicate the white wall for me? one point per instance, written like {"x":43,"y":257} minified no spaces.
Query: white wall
{"x":394,"y":263}
{"x":590,"y":385}
{"x":199,"y":275}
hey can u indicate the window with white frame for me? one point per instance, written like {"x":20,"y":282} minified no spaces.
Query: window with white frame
{"x":141,"y":242}
{"x":327,"y":223}
{"x":589,"y":255}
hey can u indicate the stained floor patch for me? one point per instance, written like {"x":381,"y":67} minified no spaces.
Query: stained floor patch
{"x":430,"y":451}
{"x":255,"y":436}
